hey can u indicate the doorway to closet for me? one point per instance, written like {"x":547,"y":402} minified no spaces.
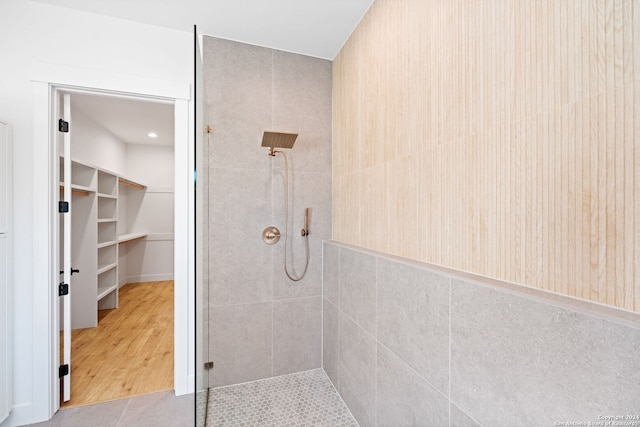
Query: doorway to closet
{"x":121,"y":176}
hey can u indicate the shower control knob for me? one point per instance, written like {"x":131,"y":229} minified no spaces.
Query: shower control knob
{"x":271,"y":235}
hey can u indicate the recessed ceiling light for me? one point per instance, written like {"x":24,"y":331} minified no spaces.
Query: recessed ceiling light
{"x":152,"y":135}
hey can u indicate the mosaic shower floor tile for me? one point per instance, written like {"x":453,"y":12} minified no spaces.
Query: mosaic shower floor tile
{"x":301,"y":399}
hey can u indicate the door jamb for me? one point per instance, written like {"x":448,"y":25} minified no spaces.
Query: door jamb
{"x":45,"y":392}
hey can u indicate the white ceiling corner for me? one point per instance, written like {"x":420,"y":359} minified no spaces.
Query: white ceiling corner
{"x":310,"y":27}
{"x":316,"y":28}
{"x":130,"y":120}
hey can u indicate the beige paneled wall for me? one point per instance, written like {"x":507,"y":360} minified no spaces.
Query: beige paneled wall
{"x":500,"y":137}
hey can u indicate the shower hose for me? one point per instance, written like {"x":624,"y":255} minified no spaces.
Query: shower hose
{"x":291,"y":275}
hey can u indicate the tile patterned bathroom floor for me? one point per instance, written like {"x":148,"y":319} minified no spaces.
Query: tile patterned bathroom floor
{"x":162,"y":409}
{"x":301,"y":399}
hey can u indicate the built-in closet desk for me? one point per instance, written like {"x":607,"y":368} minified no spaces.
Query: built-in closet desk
{"x":99,"y":227}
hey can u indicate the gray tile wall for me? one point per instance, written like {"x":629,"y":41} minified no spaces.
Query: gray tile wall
{"x":408,"y":344}
{"x":260,"y":323}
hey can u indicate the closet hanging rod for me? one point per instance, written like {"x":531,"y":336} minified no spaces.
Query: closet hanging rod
{"x":76,"y":191}
{"x":132,"y":184}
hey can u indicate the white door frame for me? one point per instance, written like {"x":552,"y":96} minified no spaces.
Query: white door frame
{"x":46,"y":76}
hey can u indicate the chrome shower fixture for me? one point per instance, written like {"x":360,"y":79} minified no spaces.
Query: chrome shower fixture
{"x":273,"y":140}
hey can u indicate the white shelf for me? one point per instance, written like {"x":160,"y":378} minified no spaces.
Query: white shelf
{"x":105,"y":268}
{"x":130,"y":236}
{"x":103,"y":292}
{"x":100,"y":221}
{"x":107,"y":196}
{"x":105,"y":244}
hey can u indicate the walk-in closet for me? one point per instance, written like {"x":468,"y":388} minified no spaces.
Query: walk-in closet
{"x":116,"y":182}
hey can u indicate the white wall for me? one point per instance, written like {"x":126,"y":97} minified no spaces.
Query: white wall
{"x":6,"y":303}
{"x":150,"y":164}
{"x":151,"y":211}
{"x":94,"y":145}
{"x":33,"y":32}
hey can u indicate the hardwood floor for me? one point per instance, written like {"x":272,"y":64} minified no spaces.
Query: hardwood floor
{"x":130,"y":352}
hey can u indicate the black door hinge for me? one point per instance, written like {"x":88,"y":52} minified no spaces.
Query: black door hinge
{"x":63,"y":126}
{"x":63,"y":370}
{"x":63,"y":207}
{"x":63,"y":289}
{"x":208,"y":365}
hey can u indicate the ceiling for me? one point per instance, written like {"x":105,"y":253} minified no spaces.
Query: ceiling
{"x":311,"y":27}
{"x":129,"y":119}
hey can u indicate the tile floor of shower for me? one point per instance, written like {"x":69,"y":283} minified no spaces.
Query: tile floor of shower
{"x":301,"y":399}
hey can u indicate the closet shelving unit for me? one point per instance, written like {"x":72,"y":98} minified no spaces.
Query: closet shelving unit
{"x":95,"y":240}
{"x":107,"y":240}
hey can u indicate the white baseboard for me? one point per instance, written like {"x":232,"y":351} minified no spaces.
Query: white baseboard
{"x":191,"y":386}
{"x":20,"y":415}
{"x":145,"y":278}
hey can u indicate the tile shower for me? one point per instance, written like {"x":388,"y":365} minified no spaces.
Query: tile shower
{"x":260,"y":323}
{"x":403,"y":342}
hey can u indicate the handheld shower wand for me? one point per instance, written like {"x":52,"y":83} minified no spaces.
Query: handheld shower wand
{"x":305,"y":231}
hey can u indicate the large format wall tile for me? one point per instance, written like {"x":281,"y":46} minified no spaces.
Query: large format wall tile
{"x":238,"y":77}
{"x":239,"y":91}
{"x":357,"y":384}
{"x":404,"y":398}
{"x":307,"y":190}
{"x":520,"y":362}
{"x":236,"y":142}
{"x":358,"y":288}
{"x":302,"y":102}
{"x":516,"y":358}
{"x":240,"y":343}
{"x":331,"y":341}
{"x":297,"y":335}
{"x":331,"y":273}
{"x":240,"y":262}
{"x":457,"y":418}
{"x":413,"y":319}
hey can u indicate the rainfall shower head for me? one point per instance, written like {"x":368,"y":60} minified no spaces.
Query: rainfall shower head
{"x":273,"y":140}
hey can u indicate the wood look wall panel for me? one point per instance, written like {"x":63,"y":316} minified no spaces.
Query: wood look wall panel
{"x":627,"y":42}
{"x":618,"y":192}
{"x":636,"y":40}
{"x":578,"y":152}
{"x":593,"y":206}
{"x":609,"y":62}
{"x":498,"y":137}
{"x":630,"y":198}
{"x":569,"y":158}
{"x":618,"y":43}
{"x":586,"y":201}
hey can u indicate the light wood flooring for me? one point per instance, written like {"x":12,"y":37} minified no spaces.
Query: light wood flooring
{"x":130,"y":352}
